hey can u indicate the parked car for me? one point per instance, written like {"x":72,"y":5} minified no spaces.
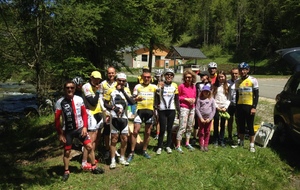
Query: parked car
{"x":287,"y":107}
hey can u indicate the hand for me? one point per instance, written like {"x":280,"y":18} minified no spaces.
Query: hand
{"x":139,"y":98}
{"x":62,"y":138}
{"x":253,"y":111}
{"x":160,"y":84}
{"x":84,"y":132}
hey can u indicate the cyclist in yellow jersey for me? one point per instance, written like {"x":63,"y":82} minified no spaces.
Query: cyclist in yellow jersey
{"x":247,"y":95}
{"x":144,"y":96}
{"x":105,"y":85}
{"x":91,"y":92}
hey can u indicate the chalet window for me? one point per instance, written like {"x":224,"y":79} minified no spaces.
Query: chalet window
{"x":144,"y":58}
{"x":157,"y":58}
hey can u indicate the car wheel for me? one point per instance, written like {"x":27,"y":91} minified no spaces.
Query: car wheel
{"x":280,"y":136}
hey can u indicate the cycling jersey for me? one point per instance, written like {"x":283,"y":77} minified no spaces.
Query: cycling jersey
{"x":231,"y":92}
{"x":73,"y":113}
{"x":105,"y":86}
{"x":167,"y":96}
{"x":118,"y":99}
{"x":245,"y":88}
{"x":91,"y":91}
{"x":147,"y":92}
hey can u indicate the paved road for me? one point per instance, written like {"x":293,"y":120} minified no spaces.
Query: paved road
{"x":268,"y":88}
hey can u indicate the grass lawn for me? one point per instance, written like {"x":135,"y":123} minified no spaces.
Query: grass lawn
{"x":31,"y":158}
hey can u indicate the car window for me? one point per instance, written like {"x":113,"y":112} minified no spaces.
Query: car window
{"x":294,"y":85}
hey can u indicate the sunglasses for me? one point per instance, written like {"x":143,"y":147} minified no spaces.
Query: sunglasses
{"x":169,"y":74}
{"x":147,"y":77}
{"x":121,"y":80}
{"x":70,"y":87}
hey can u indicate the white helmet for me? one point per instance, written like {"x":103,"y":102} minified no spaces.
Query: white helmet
{"x":212,"y":65}
{"x":78,"y":80}
{"x":169,"y":71}
{"x":158,"y":72}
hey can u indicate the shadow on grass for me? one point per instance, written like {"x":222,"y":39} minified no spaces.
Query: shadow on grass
{"x":23,"y":150}
{"x":289,"y":153}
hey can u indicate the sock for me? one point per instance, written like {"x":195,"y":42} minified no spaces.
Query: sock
{"x":122,"y":158}
{"x":113,"y":160}
{"x":83,"y":162}
{"x":252,"y":145}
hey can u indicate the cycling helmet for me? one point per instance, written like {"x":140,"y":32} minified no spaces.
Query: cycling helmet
{"x":169,"y":71}
{"x":78,"y":80}
{"x":212,"y":65}
{"x":158,"y":72}
{"x":244,"y":65}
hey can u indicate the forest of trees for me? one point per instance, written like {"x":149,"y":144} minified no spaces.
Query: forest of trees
{"x":56,"y":39}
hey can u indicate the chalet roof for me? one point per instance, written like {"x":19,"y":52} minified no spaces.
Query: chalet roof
{"x":185,"y":53}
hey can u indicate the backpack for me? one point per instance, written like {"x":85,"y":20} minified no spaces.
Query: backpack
{"x":264,"y":134}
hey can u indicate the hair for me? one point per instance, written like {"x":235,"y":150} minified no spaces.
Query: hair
{"x":110,"y":67}
{"x":189,"y":71}
{"x":68,"y":82}
{"x":235,"y":68}
{"x":146,"y":71}
{"x":217,"y":84}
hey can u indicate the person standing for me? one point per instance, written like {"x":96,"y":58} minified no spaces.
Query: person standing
{"x":187,"y":98}
{"x":205,"y":110}
{"x":247,"y":94}
{"x":166,"y":104}
{"x":74,"y":125}
{"x":220,"y":94}
{"x":91,"y":97}
{"x":105,"y":85}
{"x":116,"y":100}
{"x":144,"y":96}
{"x":234,"y":73}
{"x":212,"y":69}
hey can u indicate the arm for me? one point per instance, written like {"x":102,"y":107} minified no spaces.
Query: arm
{"x":93,"y":100}
{"x":213,"y":109}
{"x":255,"y":98}
{"x":198,"y":109}
{"x":57,"y":121}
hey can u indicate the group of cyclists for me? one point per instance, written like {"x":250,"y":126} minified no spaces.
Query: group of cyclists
{"x":102,"y":104}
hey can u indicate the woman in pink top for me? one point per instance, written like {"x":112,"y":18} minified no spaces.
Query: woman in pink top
{"x":187,"y":97}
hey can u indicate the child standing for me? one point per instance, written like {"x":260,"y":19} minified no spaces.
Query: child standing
{"x":220,"y":94}
{"x":205,"y":110}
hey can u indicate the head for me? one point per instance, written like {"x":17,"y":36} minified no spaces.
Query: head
{"x":95,"y":78}
{"x":121,"y":79}
{"x":204,"y":76}
{"x":212,"y":68}
{"x":111,"y":73}
{"x":221,"y":79}
{"x":189,"y":76}
{"x":146,"y":75}
{"x":205,"y":91}
{"x":69,"y":89}
{"x":234,"y":74}
{"x":78,"y":82}
{"x":244,"y":69}
{"x":169,"y":75}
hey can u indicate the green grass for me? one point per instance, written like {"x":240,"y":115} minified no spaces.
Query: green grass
{"x":31,"y":158}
